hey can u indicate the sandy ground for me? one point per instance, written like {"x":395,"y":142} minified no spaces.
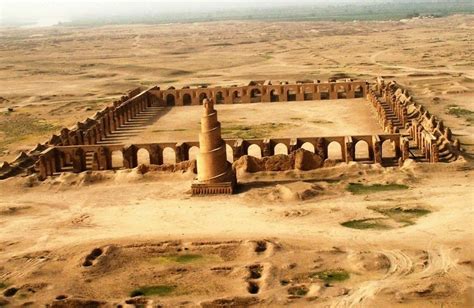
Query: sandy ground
{"x":304,"y":119}
{"x":289,"y":225}
{"x":285,"y":239}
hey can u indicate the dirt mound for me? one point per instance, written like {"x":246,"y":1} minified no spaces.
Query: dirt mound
{"x":297,"y":191}
{"x":77,"y":303}
{"x":231,"y":302}
{"x":179,"y":167}
{"x":301,"y":159}
{"x":369,"y":261}
{"x":3,"y":100}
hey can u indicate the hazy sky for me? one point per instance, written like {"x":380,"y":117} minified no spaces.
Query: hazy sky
{"x":66,"y":10}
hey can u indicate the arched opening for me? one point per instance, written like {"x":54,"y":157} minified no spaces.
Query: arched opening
{"x":281,"y":149}
{"x":229,"y":153}
{"x":341,"y":92}
{"x":170,"y":100}
{"x":255,"y":151}
{"x":143,"y":157}
{"x":255,"y":96}
{"x":117,"y":159}
{"x":219,"y":98}
{"x":274,"y":96}
{"x":362,"y":150}
{"x":187,"y":99}
{"x":324,"y":94}
{"x":202,"y":97}
{"x":358,"y":92}
{"x":236,"y":97}
{"x":169,"y":156}
{"x":291,"y":95}
{"x":308,"y":147}
{"x":193,"y":152}
{"x":308,"y":95}
{"x":388,"y":149}
{"x":335,"y":151}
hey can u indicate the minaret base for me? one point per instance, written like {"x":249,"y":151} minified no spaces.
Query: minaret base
{"x":226,"y":187}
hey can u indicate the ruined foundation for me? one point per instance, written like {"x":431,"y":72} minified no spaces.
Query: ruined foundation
{"x":415,"y":133}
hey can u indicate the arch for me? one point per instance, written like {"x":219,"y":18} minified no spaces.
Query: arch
{"x":324,"y":94}
{"x":291,"y":95}
{"x":117,"y":159}
{"x":193,"y":152}
{"x":255,"y":96}
{"x":254,"y":150}
{"x":308,"y":147}
{"x":143,"y":156}
{"x":358,"y":92}
{"x":202,"y":96}
{"x":219,"y":97}
{"x":388,"y":149}
{"x":169,"y":156}
{"x":280,"y":148}
{"x":361,"y":149}
{"x":170,"y":100}
{"x":236,"y":97}
{"x":334,"y":150}
{"x":187,"y":100}
{"x":341,"y":92}
{"x":274,"y":96}
{"x":229,"y":153}
{"x":308,"y":95}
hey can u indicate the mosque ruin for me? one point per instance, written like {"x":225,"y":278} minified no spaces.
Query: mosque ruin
{"x":411,"y":130}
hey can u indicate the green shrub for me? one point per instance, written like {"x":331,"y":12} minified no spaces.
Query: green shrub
{"x":158,"y":290}
{"x":361,"y":189}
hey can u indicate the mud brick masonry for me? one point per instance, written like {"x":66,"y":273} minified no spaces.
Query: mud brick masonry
{"x":408,"y":128}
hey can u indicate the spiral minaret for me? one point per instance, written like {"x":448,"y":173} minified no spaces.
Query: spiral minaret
{"x":215,"y":174}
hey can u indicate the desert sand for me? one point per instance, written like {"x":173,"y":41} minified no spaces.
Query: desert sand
{"x":312,"y":238}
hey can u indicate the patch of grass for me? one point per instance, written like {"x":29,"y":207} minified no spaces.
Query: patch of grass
{"x":321,"y":122}
{"x":299,"y":291}
{"x":364,"y":224}
{"x":15,"y":127}
{"x":402,"y":215}
{"x":169,"y":130}
{"x":3,"y":285}
{"x":459,"y":112}
{"x":22,"y":125}
{"x":182,"y":259}
{"x":360,"y":189}
{"x":267,"y":56}
{"x":329,"y":276}
{"x":252,"y":131}
{"x":158,"y":290}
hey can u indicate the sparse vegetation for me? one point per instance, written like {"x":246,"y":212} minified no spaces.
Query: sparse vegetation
{"x":158,"y":290}
{"x":405,"y":216}
{"x":185,"y":258}
{"x":252,"y":131}
{"x":363,"y":224}
{"x":19,"y":126}
{"x":330,"y":276}
{"x":299,"y":291}
{"x":460,"y":112}
{"x":361,"y":189}
{"x":169,"y":130}
{"x":321,"y":122}
{"x":3,"y":285}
